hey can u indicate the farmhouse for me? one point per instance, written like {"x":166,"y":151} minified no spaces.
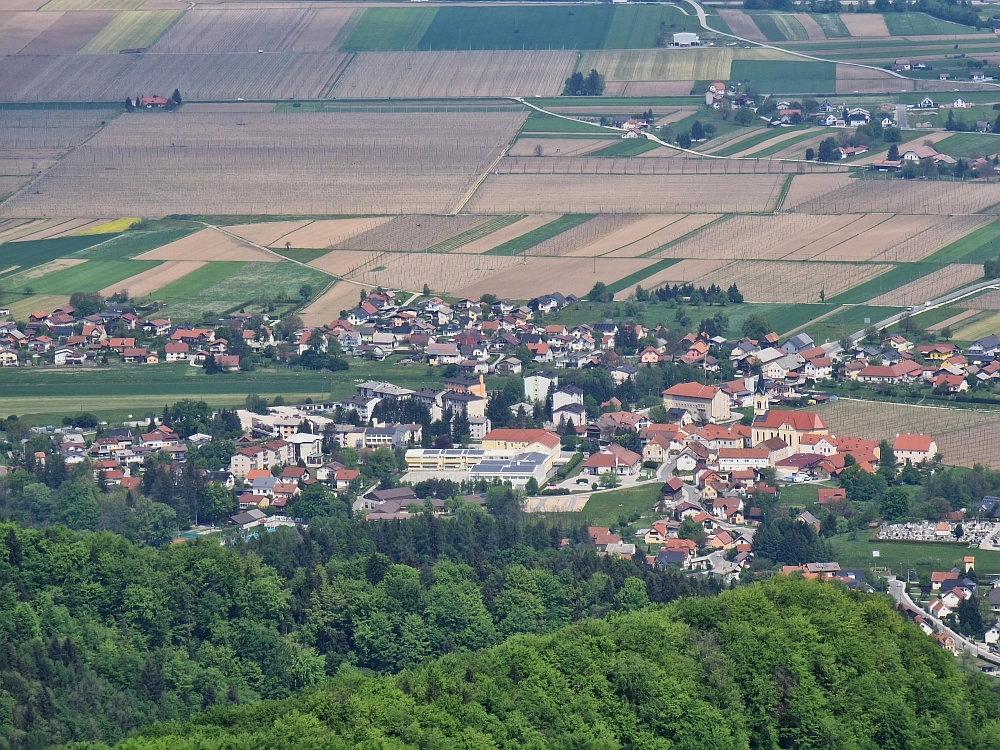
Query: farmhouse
{"x":153,"y":102}
{"x":914,"y":448}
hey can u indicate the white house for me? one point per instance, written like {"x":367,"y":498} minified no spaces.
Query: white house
{"x":914,"y":448}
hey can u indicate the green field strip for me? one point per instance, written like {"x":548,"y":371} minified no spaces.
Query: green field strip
{"x":390,"y":30}
{"x":625,"y":148}
{"x":764,"y":135}
{"x":976,"y":247}
{"x":132,"y":29}
{"x":88,"y":277}
{"x":792,"y":317}
{"x":963,"y":145}
{"x":33,"y":253}
{"x":301,"y":254}
{"x":791,"y":27}
{"x":831,"y":24}
{"x":920,"y":24}
{"x":346,"y":30}
{"x":781,"y":77}
{"x":495,"y":224}
{"x":134,"y":242}
{"x":528,"y":240}
{"x":902,"y":274}
{"x":780,"y":197}
{"x":645,"y":273}
{"x":847,"y":321}
{"x":765,"y":22}
{"x":199,"y":280}
{"x":637,"y":26}
{"x":518,"y":27}
{"x":539,"y":123}
{"x":782,"y":145}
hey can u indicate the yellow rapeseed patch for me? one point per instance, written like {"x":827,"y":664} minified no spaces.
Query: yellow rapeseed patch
{"x":111,"y":227}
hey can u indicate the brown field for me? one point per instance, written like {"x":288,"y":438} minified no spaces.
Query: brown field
{"x":235,"y":30}
{"x":20,"y":5}
{"x":964,"y":436}
{"x":851,"y":78}
{"x":324,"y":233}
{"x":987,"y":301}
{"x":742,"y":25}
{"x":32,"y":140}
{"x":266,"y":164}
{"x":582,"y":235}
{"x":679,"y":273}
{"x":14,"y":229}
{"x":813,"y":29}
{"x":10,"y":185}
{"x":769,"y":142}
{"x":409,"y":234}
{"x":90,"y":5}
{"x":559,"y":146}
{"x":234,"y":107}
{"x":382,"y":75}
{"x":76,"y":78}
{"x":265,"y":232}
{"x":904,"y":197}
{"x":542,"y":275}
{"x":657,"y":88}
{"x":340,"y":262}
{"x":444,"y":273}
{"x":209,"y":244}
{"x":147,"y":282}
{"x":919,"y":246}
{"x":630,"y":236}
{"x":231,"y":76}
{"x":953,"y":320}
{"x":495,"y":239}
{"x":59,"y":229}
{"x":660,"y":64}
{"x":805,"y":187}
{"x":567,"y":193}
{"x":18,"y":29}
{"x":778,"y":281}
{"x":865,"y":24}
{"x":931,"y":286}
{"x":663,"y":161}
{"x":22,"y":308}
{"x":18,"y":71}
{"x":322,"y":27}
{"x":326,"y":308}
{"x":867,"y":237}
{"x":69,"y":33}
{"x":666,"y":235}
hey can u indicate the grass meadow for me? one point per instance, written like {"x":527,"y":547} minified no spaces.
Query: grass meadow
{"x":920,"y":24}
{"x":900,"y":557}
{"x":779,"y":77}
{"x":33,"y":253}
{"x":91,"y":276}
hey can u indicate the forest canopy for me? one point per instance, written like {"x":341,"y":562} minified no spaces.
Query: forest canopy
{"x":788,"y":663}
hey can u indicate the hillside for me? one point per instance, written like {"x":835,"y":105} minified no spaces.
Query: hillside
{"x":789,"y":663}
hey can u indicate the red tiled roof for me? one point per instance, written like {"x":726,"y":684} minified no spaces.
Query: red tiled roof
{"x":913,"y":443}
{"x":692,"y":390}
{"x":802,"y":421}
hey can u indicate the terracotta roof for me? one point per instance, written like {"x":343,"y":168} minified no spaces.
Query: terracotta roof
{"x":802,"y":421}
{"x":692,"y":390}
{"x":913,"y":443}
{"x":544,"y":437}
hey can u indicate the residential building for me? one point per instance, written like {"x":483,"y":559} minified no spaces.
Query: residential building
{"x":706,"y":403}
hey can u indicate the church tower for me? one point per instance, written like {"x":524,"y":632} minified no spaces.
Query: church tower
{"x":761,"y":403}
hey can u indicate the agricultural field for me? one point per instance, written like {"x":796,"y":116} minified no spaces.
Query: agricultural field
{"x":395,"y":75}
{"x":865,"y":24}
{"x":742,"y":25}
{"x":225,"y":30}
{"x":779,"y":77}
{"x":69,"y":33}
{"x":66,"y":277}
{"x":969,"y":145}
{"x":131,"y":30}
{"x":780,"y":27}
{"x":964,"y":436}
{"x":407,"y":234}
{"x":896,"y":196}
{"x":311,"y":163}
{"x":776,"y":281}
{"x":931,"y":286}
{"x":210,"y":245}
{"x":321,"y":233}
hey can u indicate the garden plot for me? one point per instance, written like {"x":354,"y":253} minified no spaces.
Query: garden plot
{"x":931,"y":286}
{"x":742,"y":25}
{"x":407,"y":234}
{"x":558,"y":146}
{"x":506,"y":234}
{"x":324,"y":233}
{"x":131,"y":29}
{"x":648,"y":194}
{"x":231,"y":76}
{"x":387,"y":75}
{"x":865,"y":24}
{"x":904,"y":197}
{"x":70,"y":33}
{"x":270,"y":164}
{"x":852,"y":79}
{"x":76,"y":78}
{"x":778,"y":281}
{"x":541,"y":275}
{"x":145,"y":283}
{"x":234,"y":30}
{"x":18,"y":29}
{"x":209,"y":244}
{"x":632,"y":234}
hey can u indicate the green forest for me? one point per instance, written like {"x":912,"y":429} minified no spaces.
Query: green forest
{"x":785,"y":664}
